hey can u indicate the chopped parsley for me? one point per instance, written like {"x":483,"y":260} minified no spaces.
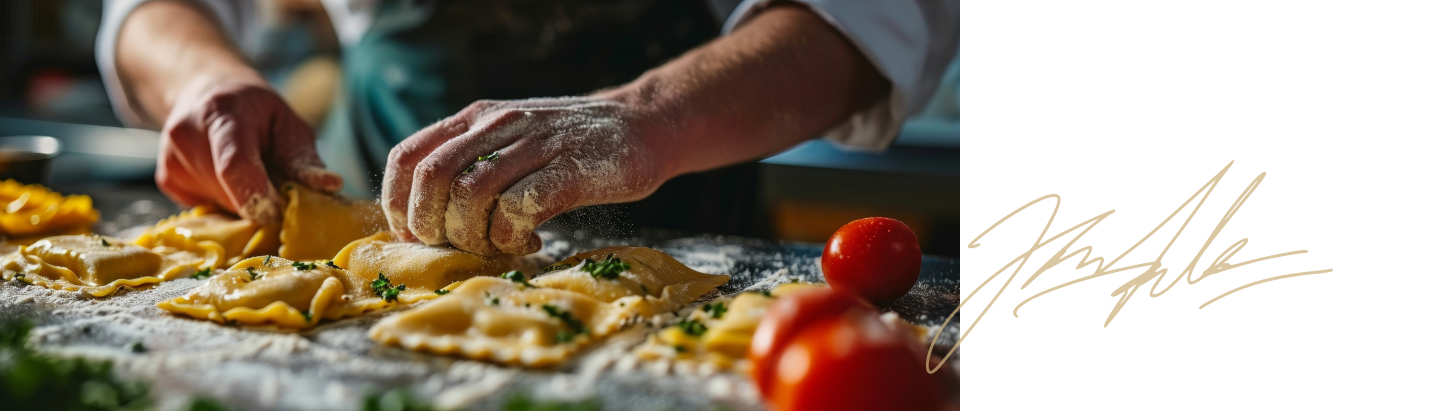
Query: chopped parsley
{"x":490,"y":157}
{"x":679,"y":348}
{"x":267,"y":260}
{"x":103,"y":242}
{"x":386,"y":291}
{"x":569,"y":321}
{"x":442,"y":291}
{"x":716,"y":310}
{"x":516,"y":276}
{"x":609,"y":268}
{"x":765,"y":293}
{"x":692,"y":327}
{"x":137,"y":347}
{"x":494,"y":301}
{"x":306,"y":314}
{"x":303,"y":266}
{"x":556,"y":267}
{"x":643,"y":288}
{"x":331,"y":264}
{"x":253,"y":275}
{"x":203,"y":273}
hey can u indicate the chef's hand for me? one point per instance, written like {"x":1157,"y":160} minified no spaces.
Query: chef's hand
{"x":541,"y":157}
{"x":226,"y":135}
{"x":227,"y":142}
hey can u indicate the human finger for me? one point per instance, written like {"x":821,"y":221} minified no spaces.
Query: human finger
{"x":473,"y":194}
{"x":240,"y":171}
{"x":400,"y":170}
{"x":434,"y":176}
{"x":295,"y":155}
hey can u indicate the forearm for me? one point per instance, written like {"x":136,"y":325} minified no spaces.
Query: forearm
{"x":168,"y":47}
{"x":782,"y":78}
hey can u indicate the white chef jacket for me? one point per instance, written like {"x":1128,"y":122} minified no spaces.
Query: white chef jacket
{"x":910,"y":42}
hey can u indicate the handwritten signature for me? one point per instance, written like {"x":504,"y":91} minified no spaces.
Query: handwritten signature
{"x":1154,"y":274}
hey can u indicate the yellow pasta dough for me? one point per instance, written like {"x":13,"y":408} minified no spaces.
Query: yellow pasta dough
{"x":422,"y":268}
{"x":500,"y":320}
{"x":544,"y":322}
{"x":283,"y":292}
{"x":665,"y":283}
{"x":721,"y":341}
{"x":29,"y":210}
{"x":205,"y":231}
{"x":318,"y":225}
{"x":94,"y":265}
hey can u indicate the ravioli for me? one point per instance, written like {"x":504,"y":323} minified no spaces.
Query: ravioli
{"x":30,"y":210}
{"x":422,"y":268}
{"x":543,"y":322}
{"x":720,"y":341}
{"x":205,"y":231}
{"x":504,"y":321}
{"x":94,"y":265}
{"x":291,"y":294}
{"x":665,"y":283}
{"x":318,"y":225}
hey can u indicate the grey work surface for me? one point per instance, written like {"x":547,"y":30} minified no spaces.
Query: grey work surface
{"x":334,"y":365}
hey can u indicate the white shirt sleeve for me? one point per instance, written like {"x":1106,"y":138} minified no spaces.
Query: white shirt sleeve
{"x":237,"y":19}
{"x":910,"y":42}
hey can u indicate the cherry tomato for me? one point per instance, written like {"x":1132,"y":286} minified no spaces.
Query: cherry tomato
{"x":877,"y":258}
{"x":787,"y":317}
{"x":852,"y":362}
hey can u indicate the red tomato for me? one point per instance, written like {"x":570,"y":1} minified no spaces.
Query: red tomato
{"x":877,"y":258}
{"x":787,"y":317}
{"x":852,"y":362}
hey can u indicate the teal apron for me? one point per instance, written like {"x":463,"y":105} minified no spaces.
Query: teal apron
{"x":422,"y":61}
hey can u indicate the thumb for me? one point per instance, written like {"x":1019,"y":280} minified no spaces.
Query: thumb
{"x":295,"y":154}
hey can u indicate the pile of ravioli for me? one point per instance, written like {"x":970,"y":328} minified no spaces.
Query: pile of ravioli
{"x":331,"y":258}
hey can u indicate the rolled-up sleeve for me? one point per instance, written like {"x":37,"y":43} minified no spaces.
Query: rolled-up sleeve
{"x":910,"y":42}
{"x":237,"y":20}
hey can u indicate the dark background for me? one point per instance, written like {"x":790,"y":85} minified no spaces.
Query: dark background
{"x":1136,"y":108}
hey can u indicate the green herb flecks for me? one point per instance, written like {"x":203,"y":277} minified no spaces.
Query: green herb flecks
{"x":765,"y":293}
{"x":442,"y":291}
{"x":644,"y":289}
{"x":253,"y":275}
{"x":103,"y":242}
{"x":679,"y":348}
{"x":36,"y":381}
{"x":267,"y":260}
{"x":556,"y":267}
{"x":692,"y":327}
{"x":384,"y":289}
{"x":203,"y":273}
{"x":137,"y":347}
{"x":522,"y":402}
{"x":302,"y":266}
{"x":484,"y":158}
{"x":331,"y":264}
{"x":516,"y":276}
{"x":609,"y":268}
{"x":399,"y":399}
{"x":576,"y":327}
{"x":716,"y":310}
{"x":494,"y":301}
{"x":306,"y":314}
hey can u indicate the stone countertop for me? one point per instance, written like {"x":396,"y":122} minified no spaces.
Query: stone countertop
{"x":334,"y":365}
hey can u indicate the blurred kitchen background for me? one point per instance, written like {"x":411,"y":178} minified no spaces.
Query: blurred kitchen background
{"x":49,"y":85}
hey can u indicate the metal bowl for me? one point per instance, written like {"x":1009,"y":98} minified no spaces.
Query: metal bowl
{"x":27,"y":158}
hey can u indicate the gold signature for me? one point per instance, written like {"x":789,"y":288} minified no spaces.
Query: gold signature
{"x":1154,"y":272}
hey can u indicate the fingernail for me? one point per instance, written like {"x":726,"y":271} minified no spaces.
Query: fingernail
{"x":321,"y":179}
{"x":263,"y":208}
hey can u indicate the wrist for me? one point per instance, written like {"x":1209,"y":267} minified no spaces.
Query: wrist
{"x":659,"y":125}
